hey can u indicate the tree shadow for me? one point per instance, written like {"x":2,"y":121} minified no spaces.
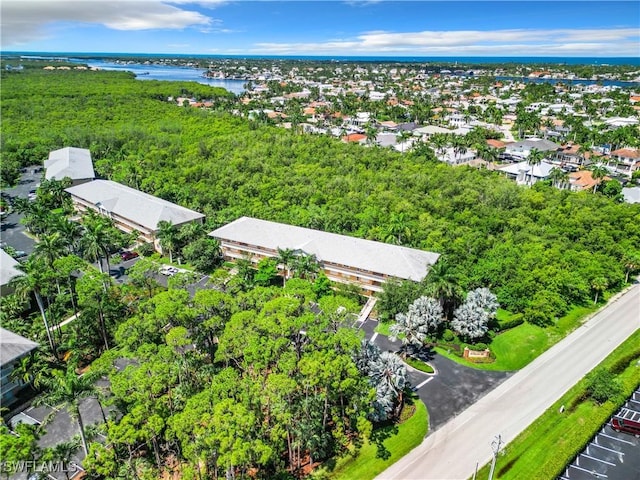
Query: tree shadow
{"x":379,"y":435}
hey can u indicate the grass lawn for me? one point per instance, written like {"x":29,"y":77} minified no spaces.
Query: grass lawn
{"x":518,"y":346}
{"x":543,"y":450}
{"x":383,"y":328}
{"x":371,"y":460}
{"x":419,"y":365}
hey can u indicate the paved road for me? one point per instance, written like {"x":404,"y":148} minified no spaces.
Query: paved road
{"x":454,"y":387}
{"x":452,"y":451}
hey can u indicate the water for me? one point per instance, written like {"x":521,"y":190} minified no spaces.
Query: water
{"x":182,"y":73}
{"x":167,"y":72}
{"x":342,"y":58}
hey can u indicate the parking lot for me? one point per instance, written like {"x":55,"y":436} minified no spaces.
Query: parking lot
{"x":13,"y":232}
{"x":610,"y":454}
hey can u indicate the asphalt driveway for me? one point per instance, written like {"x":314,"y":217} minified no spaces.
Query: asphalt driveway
{"x":451,"y":390}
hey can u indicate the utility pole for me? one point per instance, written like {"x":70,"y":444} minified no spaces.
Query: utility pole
{"x":495,"y":448}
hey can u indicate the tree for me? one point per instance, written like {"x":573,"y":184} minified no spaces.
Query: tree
{"x":34,"y":281}
{"x":631,"y":263}
{"x":388,"y":375}
{"x":442,"y":284}
{"x":471,"y":319}
{"x":598,"y":286}
{"x":398,"y":229}
{"x":424,"y":316}
{"x":167,"y":234}
{"x":535,"y":158}
{"x":96,"y":241}
{"x":204,"y":254}
{"x":558,"y":177}
{"x":598,"y":172}
{"x":267,"y":271}
{"x":305,"y":266}
{"x":286,"y":258}
{"x":602,"y":385}
{"x":67,"y":389}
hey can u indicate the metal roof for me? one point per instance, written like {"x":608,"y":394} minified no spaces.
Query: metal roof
{"x":71,"y":162}
{"x":8,"y":269}
{"x":378,"y":257}
{"x":13,"y":346}
{"x":131,"y":204}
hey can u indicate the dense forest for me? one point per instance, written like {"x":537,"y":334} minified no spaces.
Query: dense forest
{"x":539,"y":249}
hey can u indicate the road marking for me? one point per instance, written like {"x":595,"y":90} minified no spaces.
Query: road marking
{"x":373,"y":339}
{"x":593,"y":444}
{"x":597,"y":459}
{"x":424,"y":383}
{"x":615,"y":438}
{"x":592,"y":472}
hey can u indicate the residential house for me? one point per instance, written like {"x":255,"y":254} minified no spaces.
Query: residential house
{"x":14,"y":348}
{"x":131,"y":209}
{"x":583,"y":180}
{"x":571,"y":154}
{"x":343,"y":259}
{"x":71,"y":162}
{"x":525,"y":174}
{"x":627,"y":160}
{"x":454,"y":157}
{"x":521,"y":150}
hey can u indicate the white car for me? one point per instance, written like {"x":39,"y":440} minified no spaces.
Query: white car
{"x":168,"y":270}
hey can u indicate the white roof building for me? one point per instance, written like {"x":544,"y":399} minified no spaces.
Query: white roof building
{"x":631,"y":194}
{"x":8,"y":270}
{"x":343,"y":258}
{"x":523,"y":173}
{"x":130,"y":209}
{"x":71,"y":162}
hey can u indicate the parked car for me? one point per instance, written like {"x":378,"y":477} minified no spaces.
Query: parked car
{"x":627,"y":421}
{"x":168,"y":270}
{"x":128,"y":255}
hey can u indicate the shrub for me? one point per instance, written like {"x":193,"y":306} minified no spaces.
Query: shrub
{"x":513,"y":322}
{"x":448,"y":335}
{"x":145,"y":249}
{"x":602,"y":386}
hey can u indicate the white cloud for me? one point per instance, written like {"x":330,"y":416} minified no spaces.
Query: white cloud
{"x":28,"y":20}
{"x":522,"y":42}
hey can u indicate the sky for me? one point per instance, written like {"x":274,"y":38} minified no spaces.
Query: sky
{"x":338,"y":27}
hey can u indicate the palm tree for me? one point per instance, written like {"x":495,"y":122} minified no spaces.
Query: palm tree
{"x":398,"y":229}
{"x":70,"y":233}
{"x":598,"y":172}
{"x":631,"y":263}
{"x":558,"y":176}
{"x":191,"y":231}
{"x":305,"y":266}
{"x":535,"y":158}
{"x":50,"y":246}
{"x":442,"y":284}
{"x":286,"y":258}
{"x":439,"y":142}
{"x":67,"y":389}
{"x":598,"y":285}
{"x":168,"y":235}
{"x":33,"y":281}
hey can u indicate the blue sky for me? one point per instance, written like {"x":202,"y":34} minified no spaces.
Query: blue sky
{"x":373,"y":27}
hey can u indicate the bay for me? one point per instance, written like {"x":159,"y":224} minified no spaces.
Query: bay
{"x":169,"y":73}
